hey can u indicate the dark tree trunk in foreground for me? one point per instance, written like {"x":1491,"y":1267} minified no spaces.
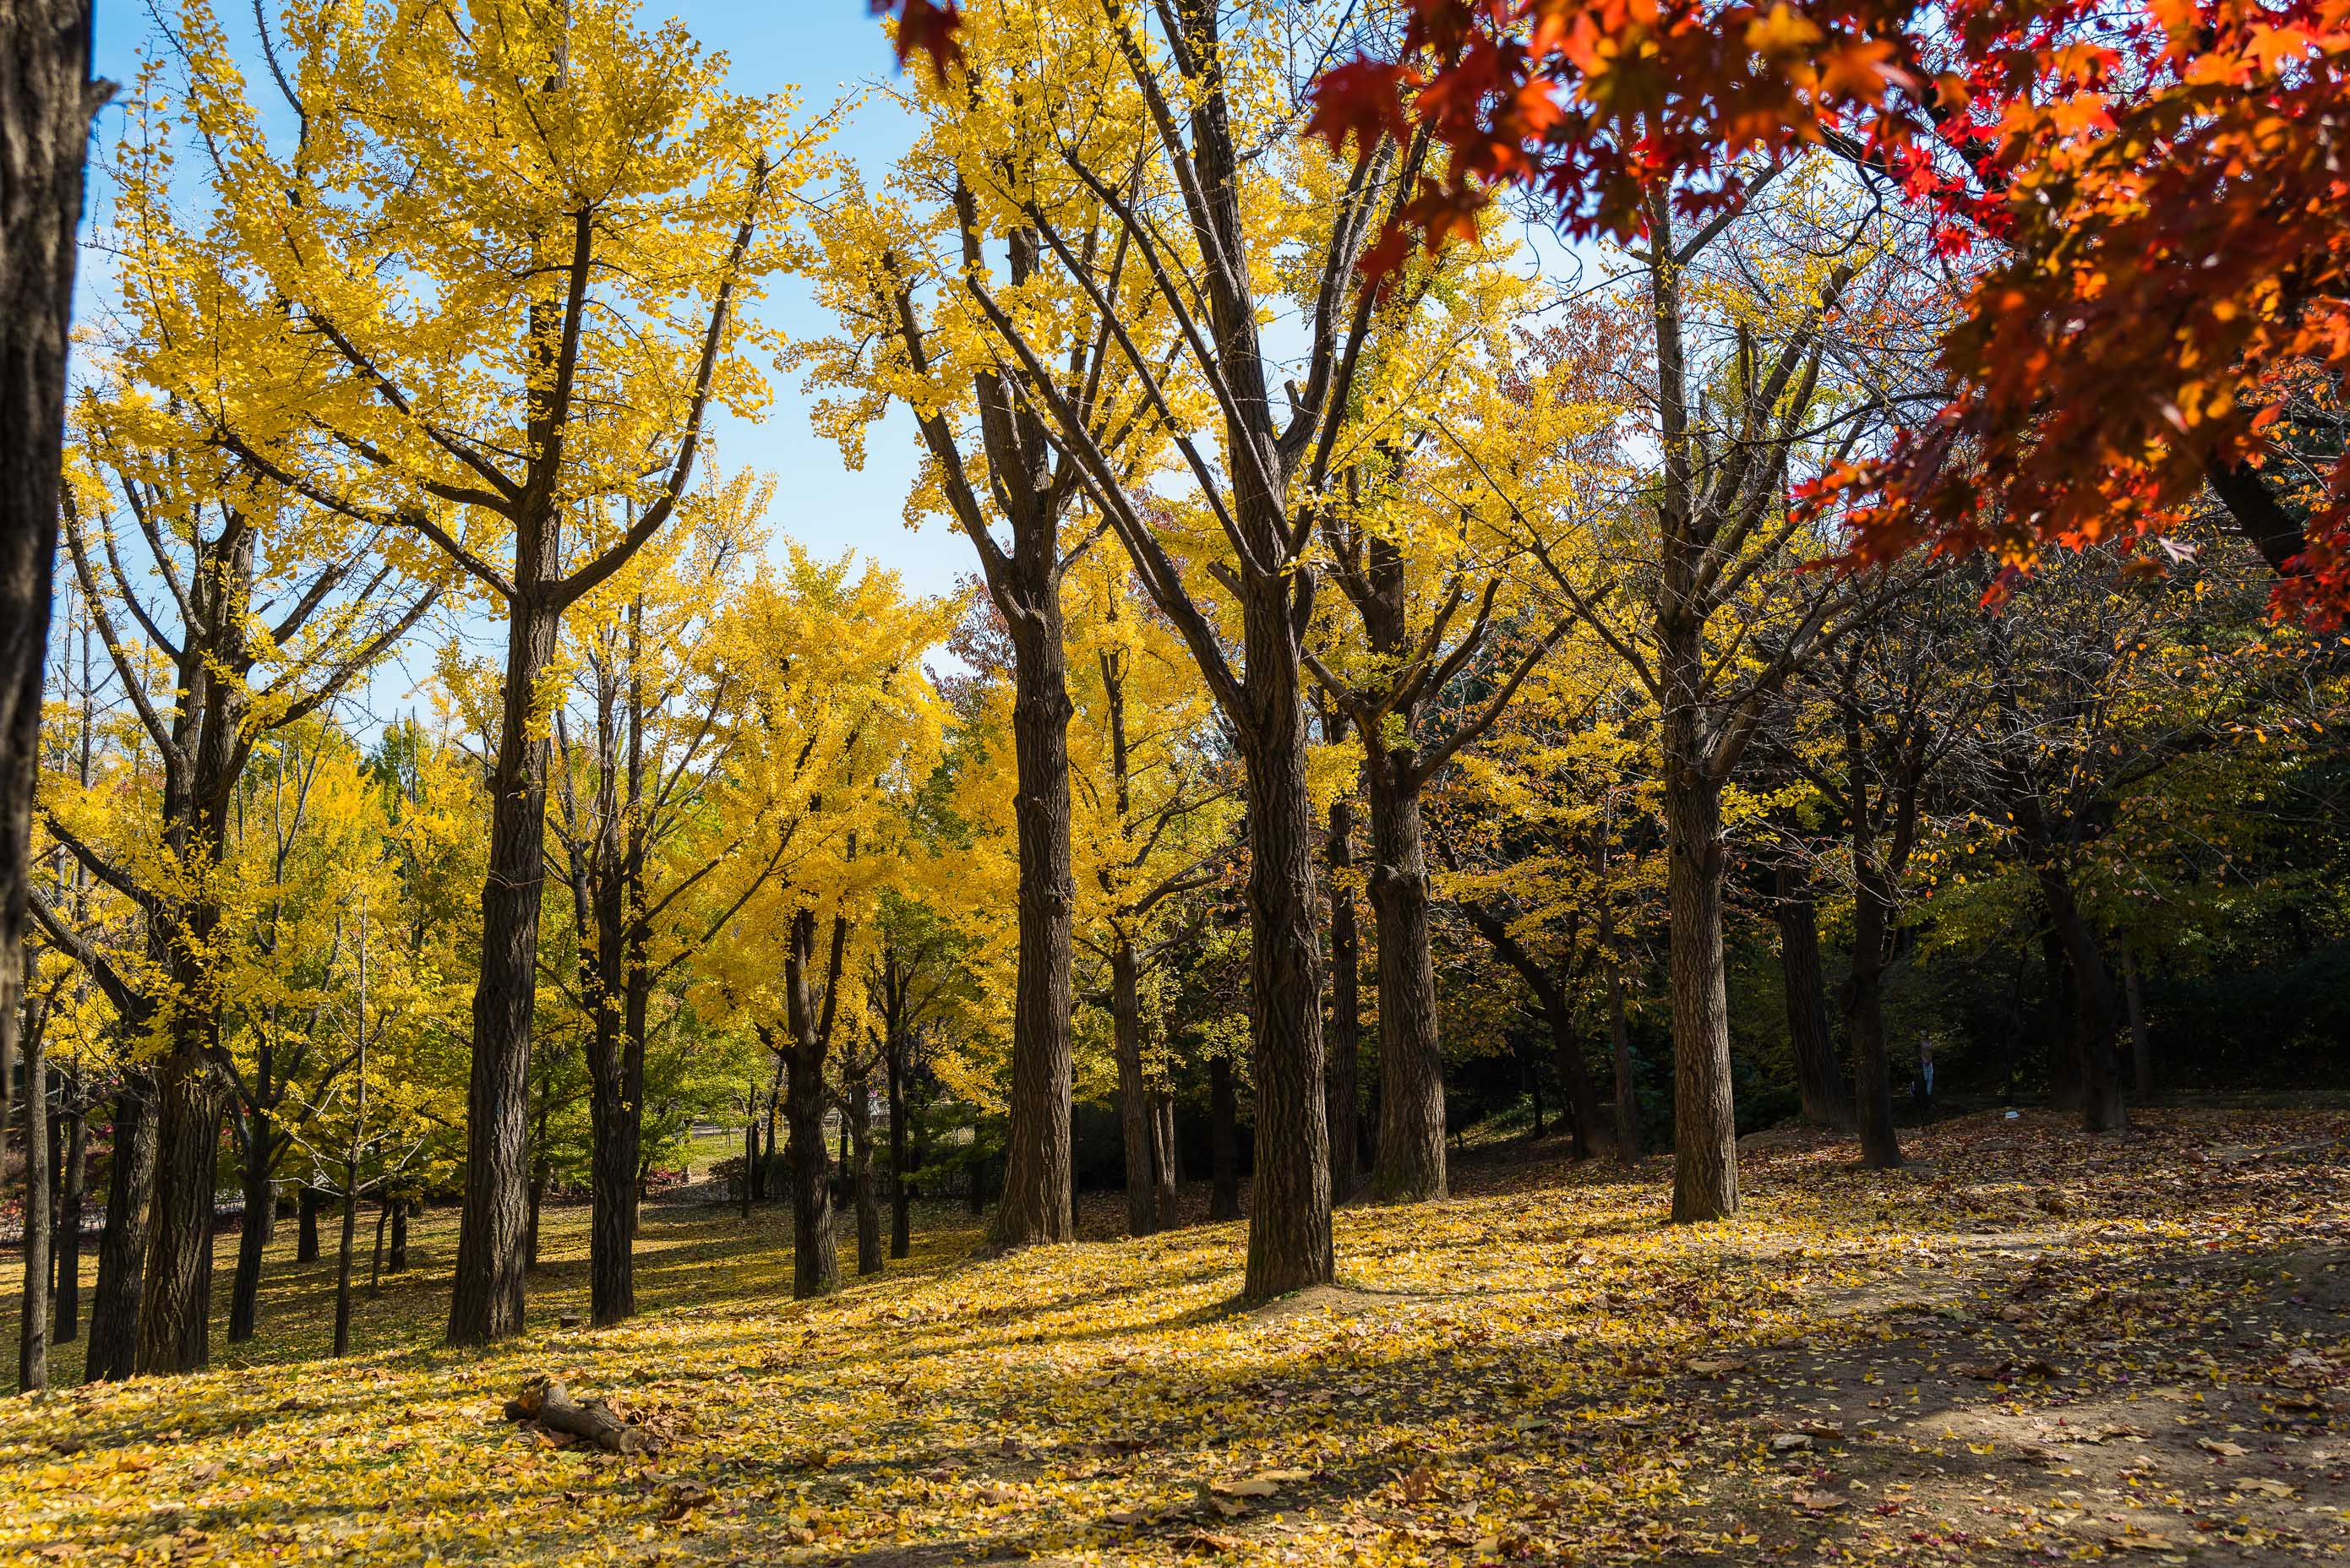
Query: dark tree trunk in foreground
{"x":253,"y":1235}
{"x":494,"y":1230}
{"x":1223,"y":1141}
{"x":1705,"y":1125}
{"x":72,"y":1176}
{"x":308,"y":1201}
{"x":1819,"y":1077}
{"x":816,"y":1254}
{"x":1410,"y":1163}
{"x":1343,"y":1053}
{"x":33,"y":1338}
{"x":395,"y":1260}
{"x":1137,"y":1117}
{"x":175,"y":1306}
{"x":2141,"y":1054}
{"x":47,"y":101}
{"x":113,"y":1350}
{"x":1038,"y":1204}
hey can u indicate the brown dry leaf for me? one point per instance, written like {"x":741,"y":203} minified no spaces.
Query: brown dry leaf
{"x":1419,"y":1484}
{"x":1820,"y":1501}
{"x":2137,"y":1540}
{"x":1206,"y":1540}
{"x":2266,"y":1487}
{"x":680,"y":1498}
{"x":1254,"y":1486}
{"x":1717,"y":1366}
{"x":2222,"y":1447}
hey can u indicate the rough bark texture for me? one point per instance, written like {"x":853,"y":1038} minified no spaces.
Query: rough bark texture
{"x":816,"y":1254}
{"x":486,"y":1304}
{"x":1410,"y":1164}
{"x":1705,"y":1125}
{"x":1038,"y":1203}
{"x":175,"y":1306}
{"x":113,"y":1350}
{"x":47,"y":101}
{"x":396,"y":1259}
{"x":1343,"y":1051}
{"x":1819,"y":1077}
{"x":547,"y":1403}
{"x":1223,"y":1142}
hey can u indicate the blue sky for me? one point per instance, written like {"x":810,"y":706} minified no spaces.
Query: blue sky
{"x":825,"y":48}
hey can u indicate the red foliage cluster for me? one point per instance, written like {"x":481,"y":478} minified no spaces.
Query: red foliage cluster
{"x":925,"y":28}
{"x":2155,"y":196}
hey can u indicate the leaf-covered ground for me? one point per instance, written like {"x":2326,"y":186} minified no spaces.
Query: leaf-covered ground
{"x":2032,"y":1346}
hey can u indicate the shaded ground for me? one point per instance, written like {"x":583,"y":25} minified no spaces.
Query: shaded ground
{"x":2030,"y":1347}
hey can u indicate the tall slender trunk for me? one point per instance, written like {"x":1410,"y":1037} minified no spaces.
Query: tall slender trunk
{"x":1223,"y":1142}
{"x":1410,"y":1164}
{"x":863,"y":1191}
{"x":252,"y":1237}
{"x":396,"y":1261}
{"x":1705,"y":1127}
{"x":1171,"y":1160}
{"x":306,"y":1204}
{"x":1864,"y":1008}
{"x":1344,"y":1053}
{"x":750,"y":1157}
{"x":32,"y":1337}
{"x":47,"y":101}
{"x":1038,"y":1203}
{"x":816,"y":1252}
{"x":1619,"y":1056}
{"x":1819,"y":1077}
{"x":902,"y":1220}
{"x":1134,"y":1111}
{"x":617,"y":1070}
{"x":495,"y":1225}
{"x":1164,"y":1175}
{"x":175,"y":1307}
{"x":375,"y":1259}
{"x":113,"y":1353}
{"x":343,"y":1260}
{"x":2141,"y":1053}
{"x":71,"y":1177}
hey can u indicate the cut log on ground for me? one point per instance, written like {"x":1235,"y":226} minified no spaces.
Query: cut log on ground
{"x":544,"y":1401}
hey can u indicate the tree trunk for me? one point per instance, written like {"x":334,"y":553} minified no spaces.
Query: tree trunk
{"x":1705,"y":1125}
{"x":1863,"y":1010}
{"x":2099,"y":1063}
{"x":1135,"y":1115}
{"x":33,"y":1338}
{"x":375,"y":1259}
{"x":175,"y":1308}
{"x":1819,"y":1077}
{"x":343,"y":1261}
{"x":617,"y":1072}
{"x":113,"y":1352}
{"x":535,"y":1197}
{"x":494,"y":1226}
{"x":1410,"y":1164}
{"x":71,"y":1177}
{"x":252,"y":1236}
{"x":1344,"y":1049}
{"x":750,"y":1160}
{"x":1223,"y":1142}
{"x":864,"y":1193}
{"x":1038,"y":1204}
{"x":1619,"y":1057}
{"x":1162,"y":1158}
{"x":307,"y":1203}
{"x":2141,"y":1054}
{"x":47,"y":101}
{"x":815,"y":1253}
{"x":902,"y":1220}
{"x":397,"y":1262}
